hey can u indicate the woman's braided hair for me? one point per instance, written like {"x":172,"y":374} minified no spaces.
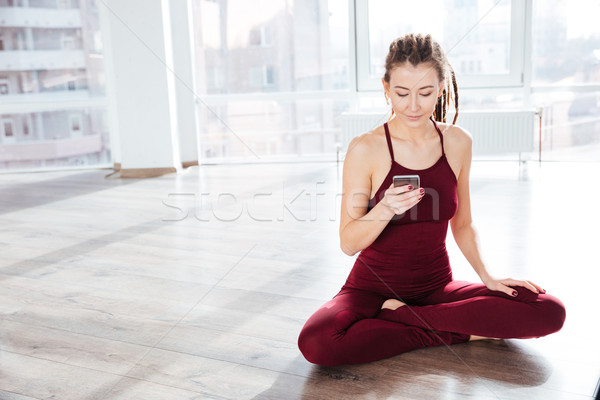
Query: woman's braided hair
{"x":419,"y":49}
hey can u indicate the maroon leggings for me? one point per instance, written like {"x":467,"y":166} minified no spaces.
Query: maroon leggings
{"x":351,"y":328}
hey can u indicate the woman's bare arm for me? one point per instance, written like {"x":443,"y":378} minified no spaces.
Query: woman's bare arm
{"x":463,"y":230}
{"x":358,"y":229}
{"x":462,"y":222}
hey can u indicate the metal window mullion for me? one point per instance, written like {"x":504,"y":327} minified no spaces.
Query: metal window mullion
{"x":363,"y":51}
{"x":527,"y":52}
{"x":518,"y":38}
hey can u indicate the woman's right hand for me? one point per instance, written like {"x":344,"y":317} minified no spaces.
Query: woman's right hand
{"x":402,"y":198}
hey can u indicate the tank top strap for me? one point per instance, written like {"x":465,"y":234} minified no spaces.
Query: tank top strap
{"x":441,"y":136}
{"x":389,"y":141}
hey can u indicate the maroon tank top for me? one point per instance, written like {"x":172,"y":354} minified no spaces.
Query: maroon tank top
{"x":409,"y":257}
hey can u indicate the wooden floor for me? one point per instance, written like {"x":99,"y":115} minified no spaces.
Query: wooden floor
{"x":195,"y":286}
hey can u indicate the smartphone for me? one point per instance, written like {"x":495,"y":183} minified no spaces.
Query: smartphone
{"x":403,"y":180}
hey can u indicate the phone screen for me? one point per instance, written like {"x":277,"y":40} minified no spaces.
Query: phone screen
{"x":403,"y":180}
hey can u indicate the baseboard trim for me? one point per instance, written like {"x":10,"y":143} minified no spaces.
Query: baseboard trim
{"x":140,"y":173}
{"x":187,"y":164}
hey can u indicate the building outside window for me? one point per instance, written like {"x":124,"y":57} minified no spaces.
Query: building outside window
{"x":272,"y":76}
{"x":248,"y":116}
{"x":52,"y":85}
{"x":566,"y":78}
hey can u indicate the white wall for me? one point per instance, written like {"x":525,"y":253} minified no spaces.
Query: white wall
{"x":144,"y":93}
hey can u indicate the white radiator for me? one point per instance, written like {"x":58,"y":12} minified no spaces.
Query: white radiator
{"x":494,"y":132}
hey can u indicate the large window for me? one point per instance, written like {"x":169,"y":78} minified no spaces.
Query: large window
{"x":51,"y":86}
{"x":272,"y":76}
{"x":507,"y":54}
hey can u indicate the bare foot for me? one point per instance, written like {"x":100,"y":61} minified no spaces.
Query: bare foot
{"x":392,"y":304}
{"x":474,"y":337}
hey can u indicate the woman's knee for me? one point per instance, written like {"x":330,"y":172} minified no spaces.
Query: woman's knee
{"x":320,"y":339}
{"x":314,"y":346}
{"x":554,"y":313}
{"x":307,"y":343}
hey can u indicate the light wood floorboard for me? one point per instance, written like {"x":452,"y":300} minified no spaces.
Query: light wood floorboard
{"x":196,"y":285}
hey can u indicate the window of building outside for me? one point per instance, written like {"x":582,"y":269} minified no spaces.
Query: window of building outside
{"x":7,"y":129}
{"x":52,"y":85}
{"x":26,"y":124}
{"x":272,"y":77}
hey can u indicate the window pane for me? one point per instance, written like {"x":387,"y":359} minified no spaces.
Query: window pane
{"x":566,"y":42}
{"x":271,"y":45}
{"x":50,"y":54}
{"x":280,"y":48}
{"x":265,"y":129}
{"x":475,"y":34}
{"x":53,"y":139}
{"x":571,"y":126}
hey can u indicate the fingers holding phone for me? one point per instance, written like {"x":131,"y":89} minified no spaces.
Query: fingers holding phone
{"x":403,"y":194}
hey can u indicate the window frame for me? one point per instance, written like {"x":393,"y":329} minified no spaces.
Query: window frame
{"x":518,"y":43}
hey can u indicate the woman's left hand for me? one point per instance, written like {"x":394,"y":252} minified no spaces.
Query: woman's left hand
{"x":507,"y":286}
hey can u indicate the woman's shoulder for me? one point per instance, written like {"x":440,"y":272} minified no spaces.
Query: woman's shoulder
{"x":367,"y":145}
{"x":455,"y":135}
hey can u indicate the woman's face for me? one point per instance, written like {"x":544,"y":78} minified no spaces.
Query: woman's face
{"x":413,"y":92}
